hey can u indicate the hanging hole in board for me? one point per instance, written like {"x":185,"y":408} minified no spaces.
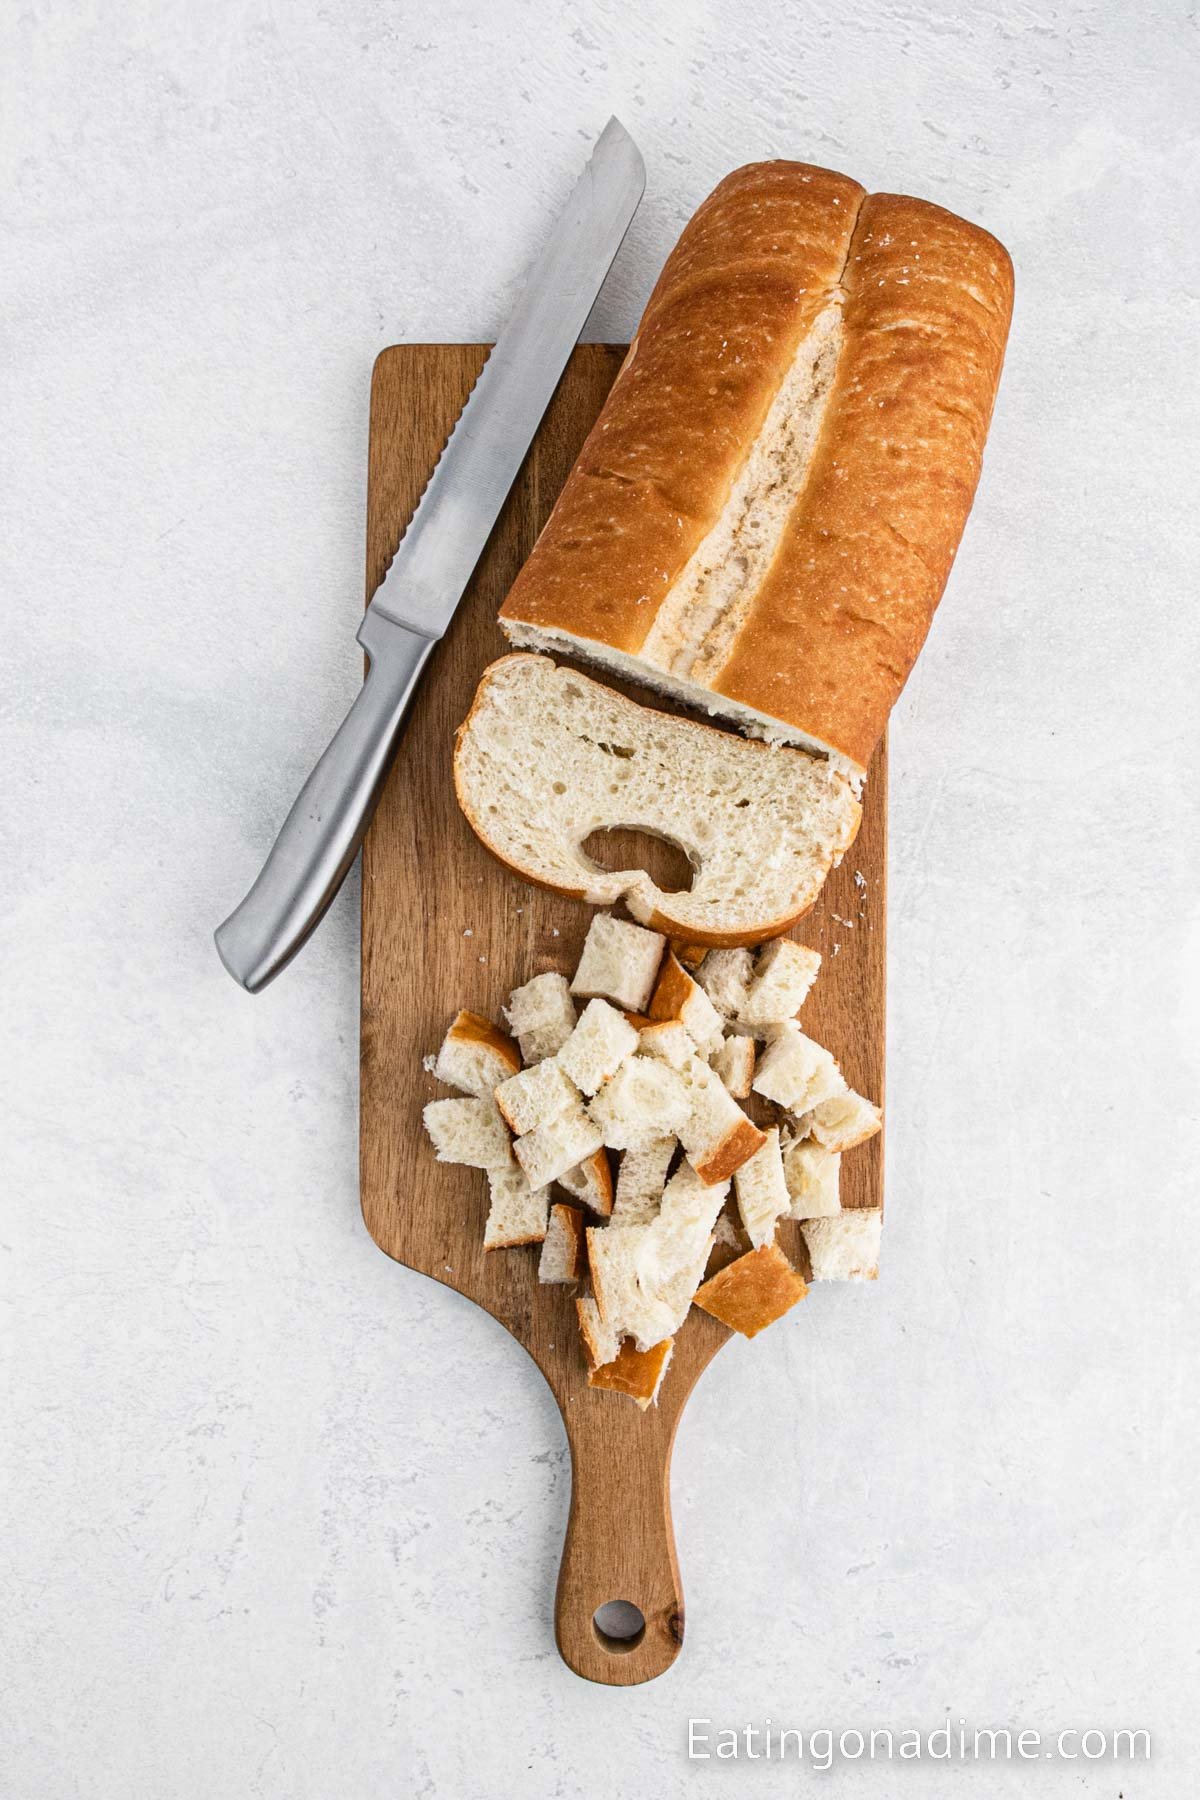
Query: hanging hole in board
{"x":619,"y":1625}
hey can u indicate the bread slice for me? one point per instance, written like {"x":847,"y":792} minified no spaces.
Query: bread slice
{"x":795,"y":1072}
{"x":762,"y":1191}
{"x":845,"y":1248}
{"x":598,"y":1046}
{"x":717,"y":1137}
{"x":812,"y":1175}
{"x":641,"y":1180}
{"x":725,"y":976}
{"x":751,"y":1293}
{"x":470,"y":1132}
{"x":783,"y":975}
{"x":562,"y":1258}
{"x":518,"y":1211}
{"x":667,"y":1039}
{"x":638,"y":1373}
{"x":734,"y":1063}
{"x":535,"y":1095}
{"x":550,"y":1150}
{"x":645,"y":1100}
{"x":547,"y":756}
{"x":842,"y":1121}
{"x":619,"y":963}
{"x":475,"y":1056}
{"x":591,"y":1181}
{"x":678,"y":995}
{"x":542,"y":1014}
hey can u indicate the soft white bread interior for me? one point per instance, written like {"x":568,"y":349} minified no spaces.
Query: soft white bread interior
{"x":562,"y":1258}
{"x":813,"y":1176}
{"x":619,"y":962}
{"x":549,"y":1151}
{"x":591,"y":1181}
{"x":547,"y":756}
{"x":725,"y":975}
{"x":645,"y":1100}
{"x":469,"y":1132}
{"x":542,"y":1014}
{"x":667,"y":1039}
{"x":734,"y":1063}
{"x":599,"y":1340}
{"x":842,"y":1121}
{"x":783,"y":974}
{"x":762,"y":1191}
{"x":535,"y":1095}
{"x":845,"y":1247}
{"x":717,"y":1137}
{"x":597,"y":1047}
{"x":641,"y":1179}
{"x":475,"y":1056}
{"x":678,"y":995}
{"x":644,"y":1276}
{"x":795,"y":1072}
{"x":517,"y":1213}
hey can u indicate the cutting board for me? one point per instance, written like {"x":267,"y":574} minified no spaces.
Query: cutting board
{"x":445,"y":926}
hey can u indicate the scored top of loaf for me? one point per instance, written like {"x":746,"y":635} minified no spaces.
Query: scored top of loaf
{"x":881,"y":320}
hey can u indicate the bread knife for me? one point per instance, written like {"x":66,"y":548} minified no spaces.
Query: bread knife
{"x":415,"y":602}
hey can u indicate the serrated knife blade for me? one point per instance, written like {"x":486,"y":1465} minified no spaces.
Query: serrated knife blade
{"x":415,"y":602}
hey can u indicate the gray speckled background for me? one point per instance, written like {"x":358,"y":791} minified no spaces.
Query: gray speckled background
{"x":283,"y":1520}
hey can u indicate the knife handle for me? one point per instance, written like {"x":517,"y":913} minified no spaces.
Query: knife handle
{"x":321,"y":835}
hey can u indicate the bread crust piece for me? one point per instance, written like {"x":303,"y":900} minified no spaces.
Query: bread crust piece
{"x":482,"y":1042}
{"x":819,"y":648}
{"x":751,"y":1293}
{"x":638,"y":1373}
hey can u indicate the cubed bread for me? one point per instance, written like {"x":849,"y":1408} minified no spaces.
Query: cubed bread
{"x":591,"y":1181}
{"x":645,"y":1099}
{"x":842,"y":1121}
{"x":542,"y":1014}
{"x":734,"y":1063}
{"x":475,"y":1056}
{"x":599,"y":1342}
{"x":717,"y":1137}
{"x":562,"y":1258}
{"x":619,"y":962}
{"x":725,"y":976}
{"x":550,"y":1150}
{"x":846,"y":1247}
{"x":469,"y":1132}
{"x":751,"y":1293}
{"x":668,"y":1039}
{"x":644,"y":1276}
{"x":638,"y":1373}
{"x":677,"y":995}
{"x":762,"y":1192}
{"x":535,"y":1095}
{"x":626,"y":1308}
{"x":795,"y":1072}
{"x":783,"y":975}
{"x":812,"y":1175}
{"x":640,"y":1182}
{"x":598,"y":1046}
{"x":517,"y":1213}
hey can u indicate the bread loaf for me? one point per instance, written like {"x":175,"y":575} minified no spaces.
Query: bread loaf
{"x":763,"y":517}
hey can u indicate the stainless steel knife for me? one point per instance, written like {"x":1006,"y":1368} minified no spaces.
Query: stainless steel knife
{"x":415,"y":602}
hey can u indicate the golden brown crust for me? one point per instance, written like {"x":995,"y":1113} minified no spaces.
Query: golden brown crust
{"x":672,"y":991}
{"x":600,"y":1195}
{"x":473,"y":1028}
{"x":569,"y":1220}
{"x":735,"y":1148}
{"x":593,"y":1348}
{"x":690,"y":955}
{"x":634,"y":1372}
{"x":741,"y":289}
{"x":751,"y":1293}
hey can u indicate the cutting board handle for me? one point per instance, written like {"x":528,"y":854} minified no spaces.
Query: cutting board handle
{"x":619,"y":1544}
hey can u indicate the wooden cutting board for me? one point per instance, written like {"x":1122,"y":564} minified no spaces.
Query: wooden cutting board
{"x":444,"y":926}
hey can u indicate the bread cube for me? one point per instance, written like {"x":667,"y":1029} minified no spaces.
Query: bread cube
{"x":795,"y":1072}
{"x":734,"y":1063}
{"x":812,"y":1176}
{"x":470,"y":1132}
{"x":638,"y":1373}
{"x":783,"y":975}
{"x":475,"y":1056}
{"x":535,"y":1095}
{"x":600,"y":1343}
{"x":517,"y":1213}
{"x":591,"y":1181}
{"x":842,"y":1121}
{"x":562,"y":1258}
{"x":717,"y":1137}
{"x":645,"y":1100}
{"x":751,"y":1293}
{"x":640,"y":1181}
{"x":668,"y":1039}
{"x":597,"y":1047}
{"x":548,"y":1151}
{"x":619,"y":962}
{"x":845,"y":1248}
{"x":542,"y":1014}
{"x":725,"y":975}
{"x":678,"y":996}
{"x":762,"y":1192}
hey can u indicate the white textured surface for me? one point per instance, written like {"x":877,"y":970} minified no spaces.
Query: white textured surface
{"x":283,"y":1520}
